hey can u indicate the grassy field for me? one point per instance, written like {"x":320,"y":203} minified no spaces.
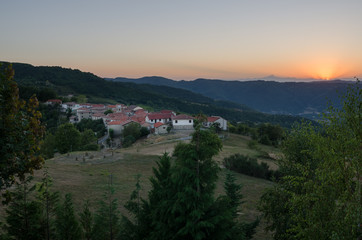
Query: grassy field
{"x":86,"y":174}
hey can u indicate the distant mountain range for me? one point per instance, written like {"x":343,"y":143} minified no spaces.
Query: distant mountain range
{"x":296,"y":98}
{"x":68,"y":81}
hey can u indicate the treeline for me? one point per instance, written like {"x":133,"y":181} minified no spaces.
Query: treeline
{"x":250,"y":166}
{"x":265,"y":133}
{"x":82,"y":136}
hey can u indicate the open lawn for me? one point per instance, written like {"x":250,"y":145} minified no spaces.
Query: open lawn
{"x":86,"y":174}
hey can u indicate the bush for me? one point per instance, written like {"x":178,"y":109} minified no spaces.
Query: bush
{"x":128,"y":141}
{"x":250,"y":166}
{"x":90,"y":147}
{"x":253,"y":144}
{"x":144,"y":131}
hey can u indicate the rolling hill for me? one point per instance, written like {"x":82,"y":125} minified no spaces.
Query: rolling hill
{"x":297,"y":98}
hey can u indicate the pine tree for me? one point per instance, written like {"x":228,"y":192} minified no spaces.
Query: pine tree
{"x":49,"y":200}
{"x":24,"y":220}
{"x":106,"y":221}
{"x":86,"y":220}
{"x":194,"y":181}
{"x":137,"y":227}
{"x":159,"y":200}
{"x":181,"y":203}
{"x":239,"y":230}
{"x":67,"y":226}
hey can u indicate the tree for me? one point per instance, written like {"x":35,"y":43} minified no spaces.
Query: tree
{"x":132,"y":129}
{"x":181,"y":203}
{"x":87,"y":138}
{"x":144,"y":132}
{"x":106,"y":220}
{"x":233,"y":192}
{"x":24,"y":216}
{"x":20,"y":130}
{"x":319,"y":196}
{"x":135,"y":229}
{"x":86,"y":220}
{"x":67,"y":226}
{"x":48,"y":200}
{"x":47,"y":148}
{"x":67,"y":138}
{"x":108,"y":112}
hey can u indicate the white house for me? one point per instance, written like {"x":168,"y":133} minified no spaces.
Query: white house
{"x":183,"y":122}
{"x":72,"y":105}
{"x":159,"y":117}
{"x":84,"y":113}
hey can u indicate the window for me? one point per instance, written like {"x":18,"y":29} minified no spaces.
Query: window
{"x":160,"y":120}
{"x":175,"y":121}
{"x":189,"y":121}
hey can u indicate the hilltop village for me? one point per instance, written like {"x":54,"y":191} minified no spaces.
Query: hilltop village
{"x":117,"y":117}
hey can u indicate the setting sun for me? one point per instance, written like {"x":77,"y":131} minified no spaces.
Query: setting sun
{"x":325,"y":73}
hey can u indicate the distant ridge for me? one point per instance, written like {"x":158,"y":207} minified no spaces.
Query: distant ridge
{"x":297,"y":98}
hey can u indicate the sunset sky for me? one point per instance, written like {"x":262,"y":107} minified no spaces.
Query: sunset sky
{"x":187,"y":39}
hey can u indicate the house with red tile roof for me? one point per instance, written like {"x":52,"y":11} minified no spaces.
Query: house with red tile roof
{"x":159,"y":117}
{"x":216,"y":120}
{"x":160,"y":128}
{"x":118,"y":126}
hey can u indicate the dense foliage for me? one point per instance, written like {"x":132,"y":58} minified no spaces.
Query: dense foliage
{"x":97,"y":126}
{"x":132,"y":132}
{"x":319,"y":195}
{"x":250,"y":166}
{"x":264,"y":133}
{"x":20,"y":132}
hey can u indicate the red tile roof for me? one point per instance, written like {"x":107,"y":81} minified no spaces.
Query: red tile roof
{"x":158,"y":124}
{"x":115,"y":123}
{"x":166,"y":111}
{"x":55,"y":101}
{"x":212,"y":119}
{"x":120,"y":122}
{"x":153,"y":116}
{"x":182,"y":117}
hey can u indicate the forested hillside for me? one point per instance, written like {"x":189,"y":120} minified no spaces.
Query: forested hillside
{"x":301,"y":98}
{"x":68,"y":81}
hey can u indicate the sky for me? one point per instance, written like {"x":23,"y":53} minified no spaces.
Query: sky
{"x":187,"y":39}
